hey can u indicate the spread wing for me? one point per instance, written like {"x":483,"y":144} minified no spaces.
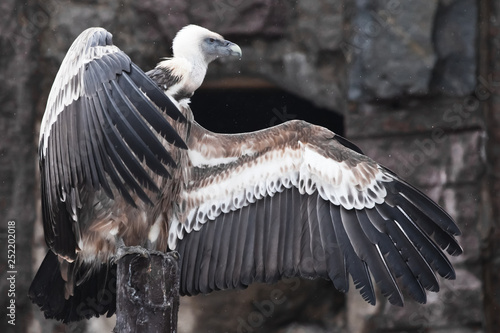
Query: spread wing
{"x":100,"y":131}
{"x":295,"y":200}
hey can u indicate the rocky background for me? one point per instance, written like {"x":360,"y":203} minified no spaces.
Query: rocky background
{"x":414,"y":84}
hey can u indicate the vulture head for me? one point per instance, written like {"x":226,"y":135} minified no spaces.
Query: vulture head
{"x":193,"y":49}
{"x":195,"y":43}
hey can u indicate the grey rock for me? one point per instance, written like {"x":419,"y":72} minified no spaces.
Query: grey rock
{"x":455,"y":34}
{"x":430,"y":159}
{"x":392,"y":51}
{"x":414,"y":116}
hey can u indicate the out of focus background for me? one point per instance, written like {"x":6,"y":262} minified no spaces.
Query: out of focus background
{"x":415,"y":84}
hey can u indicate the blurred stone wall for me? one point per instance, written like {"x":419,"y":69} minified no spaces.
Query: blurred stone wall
{"x":18,"y":100}
{"x":413,"y":107}
{"x":415,"y":81}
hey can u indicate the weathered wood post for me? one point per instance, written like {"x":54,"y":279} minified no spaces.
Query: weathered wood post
{"x":147,"y":291}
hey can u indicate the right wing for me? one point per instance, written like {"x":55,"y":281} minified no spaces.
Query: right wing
{"x":296,"y":200}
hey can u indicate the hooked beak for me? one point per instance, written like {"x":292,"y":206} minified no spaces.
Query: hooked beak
{"x":233,"y":49}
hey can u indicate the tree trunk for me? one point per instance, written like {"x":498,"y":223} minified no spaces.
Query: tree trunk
{"x":147,"y":295}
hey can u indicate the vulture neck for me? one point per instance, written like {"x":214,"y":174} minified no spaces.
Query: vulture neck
{"x":190,"y":73}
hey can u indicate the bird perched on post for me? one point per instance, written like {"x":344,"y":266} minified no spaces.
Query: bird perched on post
{"x":123,"y":162}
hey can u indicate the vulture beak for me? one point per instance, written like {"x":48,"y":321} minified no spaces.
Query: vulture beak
{"x":232,"y":49}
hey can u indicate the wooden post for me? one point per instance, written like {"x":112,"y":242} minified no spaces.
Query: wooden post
{"x":147,"y":291}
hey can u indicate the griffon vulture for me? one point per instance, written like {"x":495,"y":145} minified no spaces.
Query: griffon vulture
{"x":123,"y":162}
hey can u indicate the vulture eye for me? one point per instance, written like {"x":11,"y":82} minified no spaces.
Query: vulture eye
{"x":211,"y":40}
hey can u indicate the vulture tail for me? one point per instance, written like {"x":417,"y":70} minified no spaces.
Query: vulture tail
{"x":94,"y":296}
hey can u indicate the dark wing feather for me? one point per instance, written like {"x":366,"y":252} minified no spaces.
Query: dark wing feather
{"x":291,"y":234}
{"x":287,"y":250}
{"x":214,"y":262}
{"x":96,"y":133}
{"x":334,"y":258}
{"x":164,"y":77}
{"x":260,"y":253}
{"x":355,"y":265}
{"x":346,"y":143}
{"x":95,"y":296}
{"x":247,"y":267}
{"x":364,"y":249}
{"x":272,"y":237}
{"x":239,"y":253}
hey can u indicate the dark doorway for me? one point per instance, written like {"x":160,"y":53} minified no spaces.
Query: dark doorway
{"x":244,"y":110}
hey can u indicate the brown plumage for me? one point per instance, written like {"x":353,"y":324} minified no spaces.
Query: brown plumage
{"x":123,"y":160}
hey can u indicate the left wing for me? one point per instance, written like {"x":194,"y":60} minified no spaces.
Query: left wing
{"x":294,"y":200}
{"x":102,"y":121}
{"x":103,"y":138}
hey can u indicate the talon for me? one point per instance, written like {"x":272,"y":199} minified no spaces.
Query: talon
{"x":174,"y":254}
